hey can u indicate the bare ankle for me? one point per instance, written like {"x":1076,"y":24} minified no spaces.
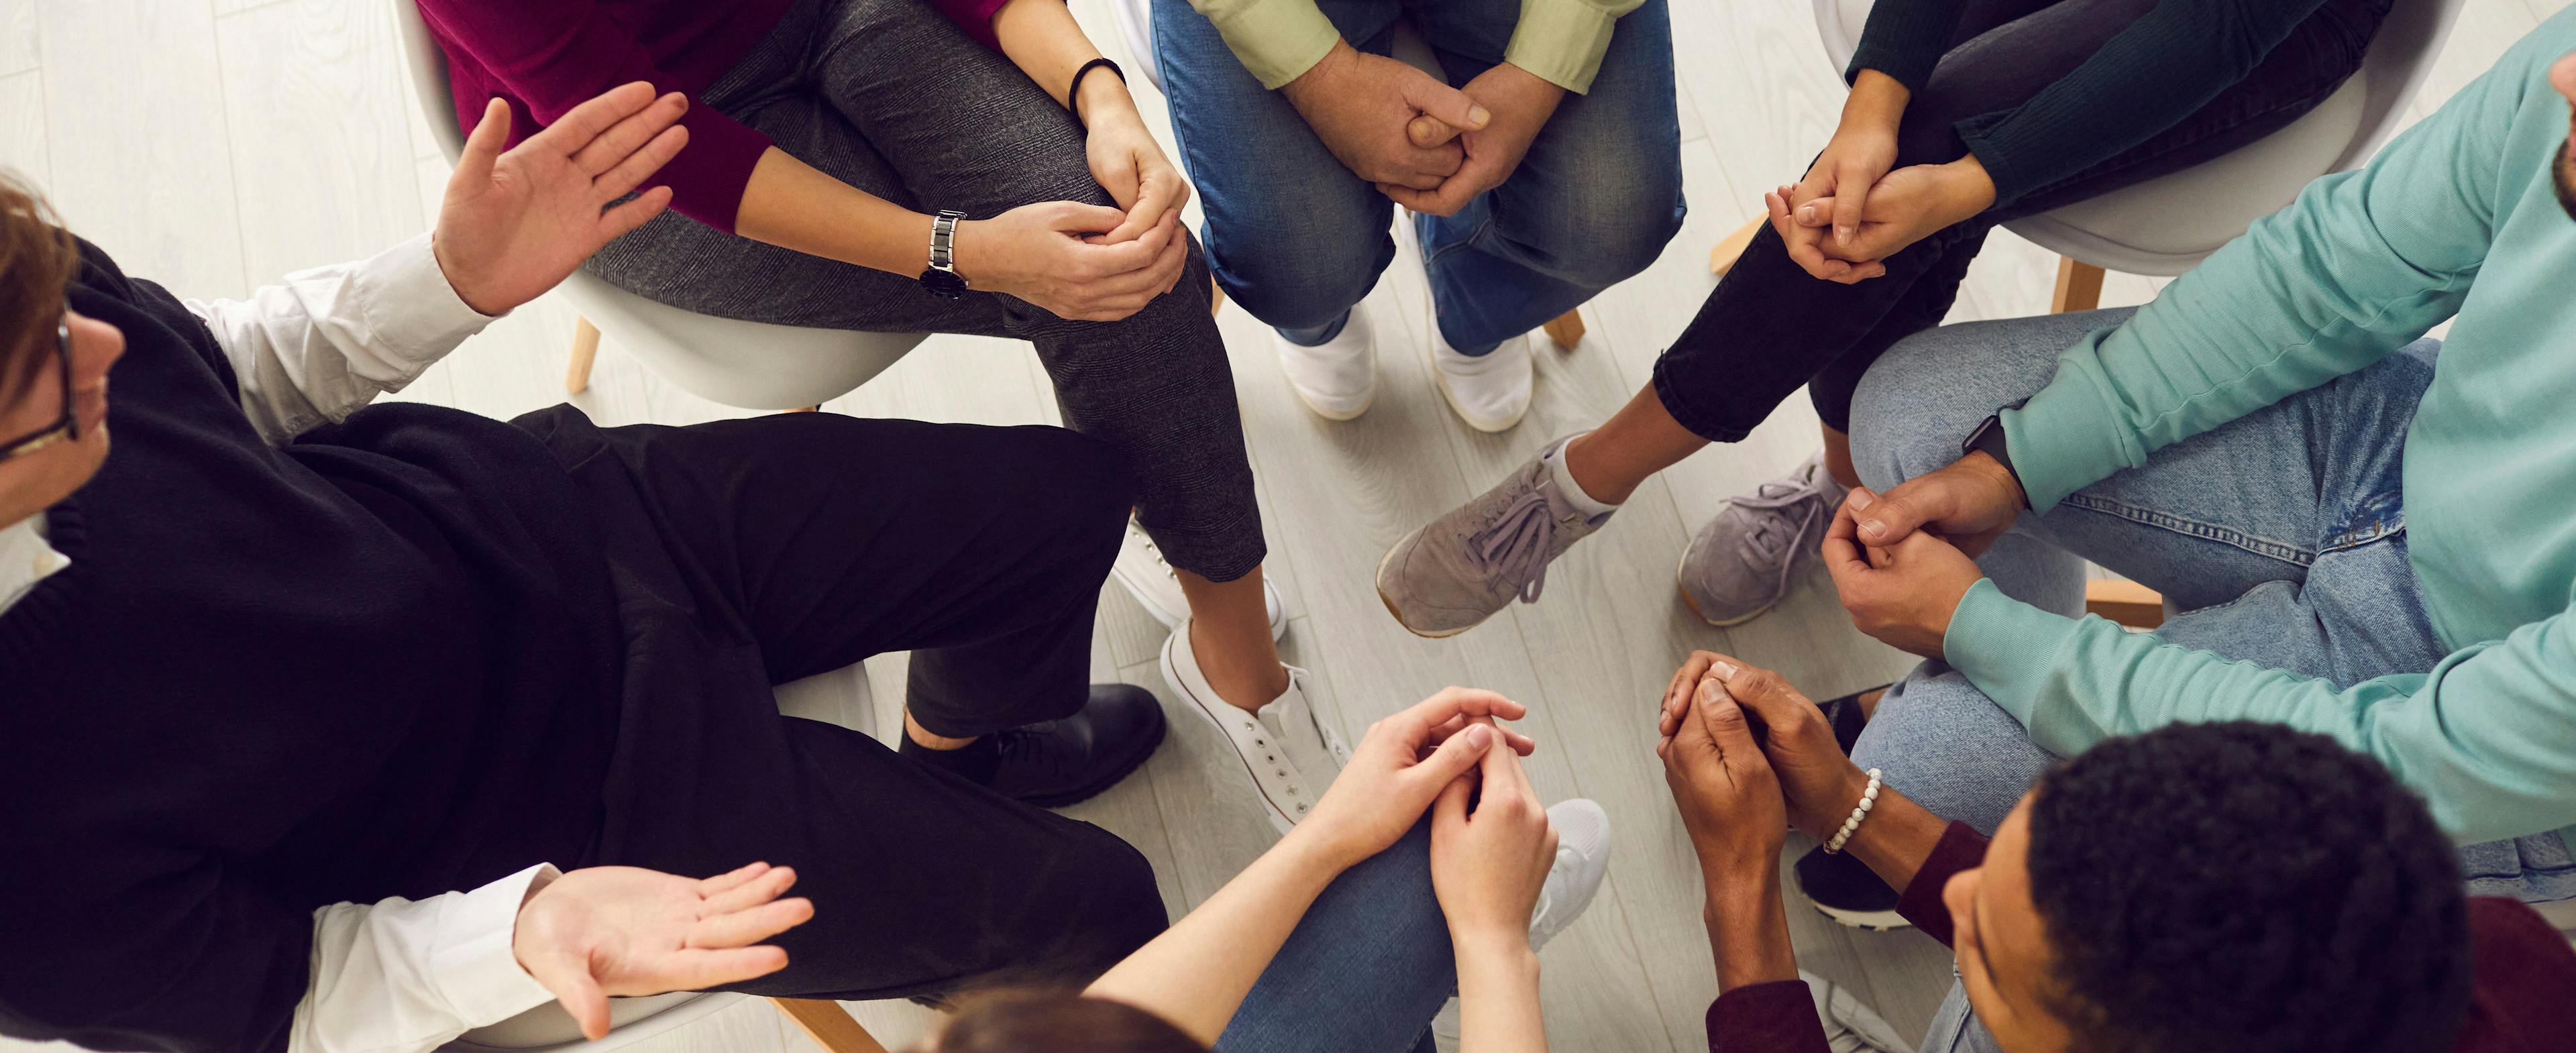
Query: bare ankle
{"x":1246,"y":684}
{"x":1588,"y":473}
{"x":922,"y":737}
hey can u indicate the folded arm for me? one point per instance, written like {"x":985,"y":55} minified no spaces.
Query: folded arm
{"x":2488,"y":737}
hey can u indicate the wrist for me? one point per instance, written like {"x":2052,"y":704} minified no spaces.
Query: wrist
{"x":1972,"y":190}
{"x":1748,"y":932}
{"x":1996,"y":475}
{"x":1876,"y":103}
{"x":1318,"y":78}
{"x":1102,"y":97}
{"x":1314,"y":844}
{"x":1490,"y":941}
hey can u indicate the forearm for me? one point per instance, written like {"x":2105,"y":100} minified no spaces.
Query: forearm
{"x":1897,"y":836}
{"x":793,"y":205}
{"x":1196,"y":973}
{"x":1043,"y":40}
{"x":1498,"y":1008}
{"x":1748,"y":929}
{"x":1877,"y":101}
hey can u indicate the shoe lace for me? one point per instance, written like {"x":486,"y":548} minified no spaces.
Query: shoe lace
{"x":1514,"y":544}
{"x":1773,"y":533}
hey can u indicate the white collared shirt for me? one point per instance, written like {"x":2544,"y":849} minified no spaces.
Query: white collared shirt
{"x":395,"y":976}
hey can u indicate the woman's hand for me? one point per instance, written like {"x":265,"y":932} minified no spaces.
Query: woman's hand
{"x":1401,"y":764}
{"x":604,"y":931}
{"x":1127,"y":161}
{"x":1488,"y":863}
{"x":1860,"y":153}
{"x":1906,"y":206}
{"x":1806,"y":244}
{"x":1045,"y":254}
{"x":1819,"y":783}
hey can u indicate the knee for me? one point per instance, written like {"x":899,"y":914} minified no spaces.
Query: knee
{"x":1301,"y":282}
{"x":1615,"y":235}
{"x":1895,"y":434}
{"x":1121,"y":908}
{"x":1949,"y":748}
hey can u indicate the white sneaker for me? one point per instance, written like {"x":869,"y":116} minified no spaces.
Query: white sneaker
{"x":1337,"y":378}
{"x":1284,"y":747}
{"x":1850,"y":1025}
{"x":1489,"y":391}
{"x":1148,"y":577}
{"x":1582,"y":860}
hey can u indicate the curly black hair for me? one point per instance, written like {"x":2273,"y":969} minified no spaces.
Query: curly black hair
{"x":2241,"y":886}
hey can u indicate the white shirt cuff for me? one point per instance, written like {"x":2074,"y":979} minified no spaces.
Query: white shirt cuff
{"x":473,"y":965}
{"x":410,"y":307}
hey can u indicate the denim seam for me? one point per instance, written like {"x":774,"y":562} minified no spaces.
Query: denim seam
{"x":1472,"y":237}
{"x":2381,"y":530}
{"x":2264,"y":547}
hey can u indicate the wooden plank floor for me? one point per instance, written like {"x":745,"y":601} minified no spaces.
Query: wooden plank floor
{"x":216,"y":144}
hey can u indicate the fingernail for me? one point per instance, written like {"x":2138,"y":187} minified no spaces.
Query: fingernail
{"x":1707,"y":690}
{"x":1873,"y":528}
{"x":1843,"y":234}
{"x":1723,"y":671}
{"x":1861,"y":498}
{"x":1479,"y":736}
{"x":1477,"y":116}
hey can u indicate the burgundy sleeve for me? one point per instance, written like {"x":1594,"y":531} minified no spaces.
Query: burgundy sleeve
{"x":557,"y":54}
{"x":976,"y":18}
{"x":2523,"y":971}
{"x":1774,"y":1017}
{"x":1960,"y":848}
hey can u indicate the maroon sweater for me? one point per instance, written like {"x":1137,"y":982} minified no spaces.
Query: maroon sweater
{"x":2520,"y":1003}
{"x":547,"y":56}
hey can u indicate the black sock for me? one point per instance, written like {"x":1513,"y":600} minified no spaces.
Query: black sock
{"x":974,"y":762}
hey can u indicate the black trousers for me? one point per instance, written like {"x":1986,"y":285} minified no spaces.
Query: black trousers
{"x":1769,"y":326}
{"x":749,"y":553}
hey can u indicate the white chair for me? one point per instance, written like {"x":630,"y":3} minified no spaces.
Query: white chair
{"x":752,"y":365}
{"x":2168,"y":224}
{"x":1136,"y":23}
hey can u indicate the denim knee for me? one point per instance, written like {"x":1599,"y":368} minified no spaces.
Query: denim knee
{"x":1921,"y":399}
{"x":1947,"y":747}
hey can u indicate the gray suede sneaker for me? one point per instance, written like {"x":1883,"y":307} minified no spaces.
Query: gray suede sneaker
{"x":1741,"y":563}
{"x":1462,"y":567}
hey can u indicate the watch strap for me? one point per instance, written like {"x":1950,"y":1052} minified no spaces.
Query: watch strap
{"x":1991,"y":439}
{"x":943,"y":240}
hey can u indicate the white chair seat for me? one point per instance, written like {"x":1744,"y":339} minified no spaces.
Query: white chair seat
{"x":2168,"y":224}
{"x":548,"y":1029}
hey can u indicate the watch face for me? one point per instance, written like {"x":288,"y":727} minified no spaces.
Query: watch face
{"x":944,"y":284}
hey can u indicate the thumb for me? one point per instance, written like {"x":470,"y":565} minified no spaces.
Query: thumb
{"x":1445,"y":104}
{"x":1885,"y":520}
{"x":1692,"y":733}
{"x":1429,"y":132}
{"x":1078,"y":218}
{"x":1727,"y":728}
{"x":1851,"y":192}
{"x":1450,"y":809}
{"x":1455,"y":756}
{"x":483,"y":145}
{"x":567,"y":977}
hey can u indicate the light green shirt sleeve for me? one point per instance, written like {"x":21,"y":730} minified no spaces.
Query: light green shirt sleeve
{"x":1562,"y":41}
{"x":2488,"y":737}
{"x":2361,"y":264}
{"x":1277,"y":40}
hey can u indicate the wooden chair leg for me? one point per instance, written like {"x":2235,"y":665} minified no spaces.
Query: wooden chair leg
{"x":807,"y":409}
{"x":2079,"y":286}
{"x":2125,"y":602}
{"x":1566,"y":330}
{"x":829,"y":1025}
{"x":585,"y":347}
{"x":1722,"y":258}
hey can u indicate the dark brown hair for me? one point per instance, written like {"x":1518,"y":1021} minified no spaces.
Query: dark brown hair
{"x":1058,"y":1022}
{"x":36,"y":261}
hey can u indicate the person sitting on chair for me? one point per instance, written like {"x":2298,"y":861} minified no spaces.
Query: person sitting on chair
{"x":837,"y":143}
{"x":302,"y":700}
{"x":1551,"y":173}
{"x":2367,"y":532}
{"x":2236,"y":887}
{"x":1962,"y":115}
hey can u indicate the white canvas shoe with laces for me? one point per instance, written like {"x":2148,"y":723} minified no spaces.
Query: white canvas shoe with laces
{"x":1149,"y":577}
{"x":1284,"y":748}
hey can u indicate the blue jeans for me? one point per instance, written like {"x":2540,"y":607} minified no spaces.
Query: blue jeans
{"x":1298,"y":240}
{"x":2281,"y":536}
{"x":1365,"y":970}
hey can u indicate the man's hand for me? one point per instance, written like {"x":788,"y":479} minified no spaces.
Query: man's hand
{"x":1729,"y":798}
{"x":514,"y":224}
{"x":1400,"y":766}
{"x":1820,"y":783}
{"x":1901,"y":595}
{"x":1361,"y":106}
{"x":605,"y":931}
{"x":1970,"y":503}
{"x":1906,"y":206}
{"x":1521,"y":103}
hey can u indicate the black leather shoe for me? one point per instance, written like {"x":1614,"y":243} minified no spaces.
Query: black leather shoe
{"x":1848,"y":891}
{"x":1054,"y":763}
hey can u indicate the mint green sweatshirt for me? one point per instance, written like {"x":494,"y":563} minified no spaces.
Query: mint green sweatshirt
{"x":2456,"y":219}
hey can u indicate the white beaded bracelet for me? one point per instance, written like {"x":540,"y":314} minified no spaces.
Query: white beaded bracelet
{"x":1868,"y":800}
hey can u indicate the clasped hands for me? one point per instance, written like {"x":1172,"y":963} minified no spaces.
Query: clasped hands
{"x":1428,"y":146}
{"x":1854,"y":208}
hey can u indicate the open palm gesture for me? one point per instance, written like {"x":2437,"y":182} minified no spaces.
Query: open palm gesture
{"x":603,"y":931}
{"x":514,"y":224}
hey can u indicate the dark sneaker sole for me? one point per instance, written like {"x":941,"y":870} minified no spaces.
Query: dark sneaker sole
{"x":1115,"y":776}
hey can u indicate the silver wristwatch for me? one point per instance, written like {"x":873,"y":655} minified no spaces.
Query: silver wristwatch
{"x":942,"y":277}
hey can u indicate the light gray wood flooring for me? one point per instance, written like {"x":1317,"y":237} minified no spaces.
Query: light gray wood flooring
{"x":216,"y":144}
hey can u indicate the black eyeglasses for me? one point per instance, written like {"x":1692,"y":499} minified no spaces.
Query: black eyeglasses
{"x":66,"y":427}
